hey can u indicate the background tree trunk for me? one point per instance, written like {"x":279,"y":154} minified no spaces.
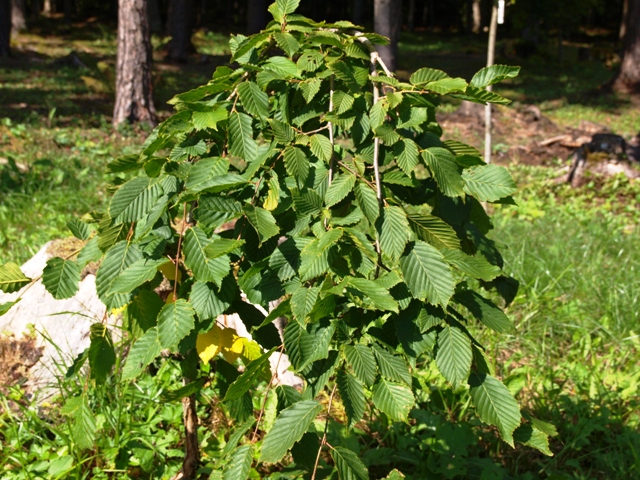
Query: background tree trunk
{"x":256,"y":16}
{"x":387,"y":20}
{"x":180,"y":21}
{"x":18,"y":16}
{"x":623,"y":21}
{"x":476,"y":16}
{"x":49,"y":6}
{"x":5,"y":27}
{"x":628,"y":78}
{"x":134,"y":100}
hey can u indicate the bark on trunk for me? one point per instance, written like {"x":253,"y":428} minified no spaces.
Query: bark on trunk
{"x":180,"y":23}
{"x":18,"y":16}
{"x":628,"y":78}
{"x":623,"y":21}
{"x":49,"y":6}
{"x":387,"y":20}
{"x":134,"y":99}
{"x":477,"y":16}
{"x":256,"y":16}
{"x":5,"y":27}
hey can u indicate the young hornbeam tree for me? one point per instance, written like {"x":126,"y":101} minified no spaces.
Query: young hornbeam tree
{"x":310,"y":176}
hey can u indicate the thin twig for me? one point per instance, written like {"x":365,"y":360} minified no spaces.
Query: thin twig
{"x":356,"y":174}
{"x":330,"y":126}
{"x":323,"y":442}
{"x":266,"y":395}
{"x":177,"y":261}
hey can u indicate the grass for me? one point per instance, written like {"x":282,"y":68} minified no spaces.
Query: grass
{"x":575,"y":358}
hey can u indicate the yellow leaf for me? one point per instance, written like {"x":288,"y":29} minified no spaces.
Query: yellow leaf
{"x":252,"y":351}
{"x":208,"y":344}
{"x":169,"y":270}
{"x":170,"y":298}
{"x":231,"y":345}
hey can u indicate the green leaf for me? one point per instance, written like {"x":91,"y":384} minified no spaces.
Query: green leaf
{"x":205,"y":173}
{"x":302,"y":302}
{"x":348,"y":464}
{"x":297,"y":164}
{"x":427,"y":75}
{"x":206,"y":302}
{"x":480,"y":95}
{"x":143,"y":352}
{"x":394,"y":399}
{"x":61,"y":277}
{"x":102,"y":356}
{"x":287,"y":6}
{"x":493,"y":74}
{"x":352,"y":396}
{"x":367,"y":201}
{"x":204,"y":269}
{"x":79,"y":229}
{"x":289,"y":427}
{"x":209,"y":118}
{"x":304,"y":347}
{"x":529,"y":435}
{"x":444,"y":86}
{"x":445,"y":170}
{"x":213,"y":211}
{"x":5,"y":307}
{"x":262,"y":221}
{"x":378,"y":113}
{"x":474,"y":266}
{"x":426,"y":273}
{"x":139,"y":272}
{"x":143,"y":310}
{"x":222,"y":246}
{"x":342,"y":102}
{"x":407,"y":155}
{"x":393,"y":230}
{"x":485,"y":311}
{"x":321,"y":147}
{"x":310,"y":88}
{"x":282,"y":66}
{"x":488,"y":183}
{"x":239,"y":464}
{"x":340,"y":187}
{"x":379,"y":296}
{"x":434,"y":230}
{"x":360,"y":358}
{"x":116,"y":260}
{"x":495,"y":404}
{"x":287,"y":43}
{"x":310,"y":61}
{"x":392,"y":367}
{"x":241,"y":142}
{"x":134,"y":200}
{"x":11,"y":278}
{"x":454,"y":354}
{"x":83,"y":427}
{"x":314,"y":261}
{"x":175,"y":321}
{"x":249,"y":377}
{"x":253,"y":99}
